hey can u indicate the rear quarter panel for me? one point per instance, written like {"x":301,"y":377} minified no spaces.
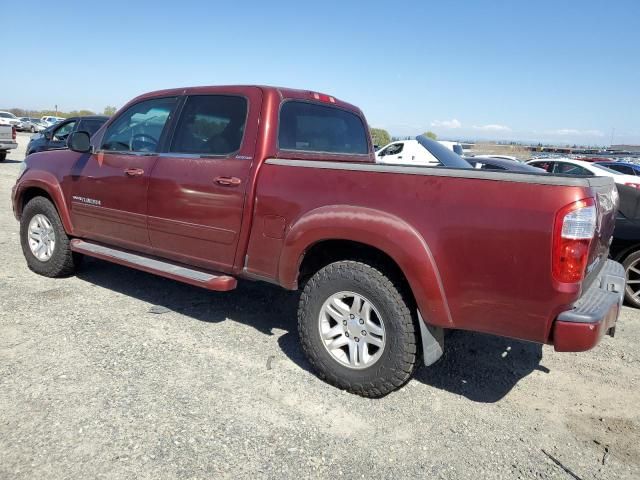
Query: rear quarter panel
{"x":489,"y":241}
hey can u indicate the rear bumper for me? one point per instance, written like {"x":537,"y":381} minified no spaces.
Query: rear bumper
{"x":8,"y":144}
{"x":594,"y":314}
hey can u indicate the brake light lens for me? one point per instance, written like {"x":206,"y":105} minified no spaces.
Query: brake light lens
{"x":574,"y":229}
{"x":323,"y":97}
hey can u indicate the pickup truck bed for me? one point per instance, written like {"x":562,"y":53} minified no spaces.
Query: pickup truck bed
{"x":282,"y":186}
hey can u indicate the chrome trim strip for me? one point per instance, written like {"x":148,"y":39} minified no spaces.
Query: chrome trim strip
{"x":518,"y":177}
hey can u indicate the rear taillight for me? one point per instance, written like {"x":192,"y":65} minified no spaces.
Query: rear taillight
{"x":573,"y":232}
{"x":634,"y":185}
{"x":13,"y":132}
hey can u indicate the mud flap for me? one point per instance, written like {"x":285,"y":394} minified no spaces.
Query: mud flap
{"x":432,"y":341}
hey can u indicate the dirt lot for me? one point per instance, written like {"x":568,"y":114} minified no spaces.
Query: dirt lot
{"x":114,"y":373}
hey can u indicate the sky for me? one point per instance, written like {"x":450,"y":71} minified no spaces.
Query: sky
{"x":552,"y":71}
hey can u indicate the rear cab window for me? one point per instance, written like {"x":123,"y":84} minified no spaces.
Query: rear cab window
{"x":311,"y":127}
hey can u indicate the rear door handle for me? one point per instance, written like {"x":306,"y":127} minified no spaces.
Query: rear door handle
{"x":134,"y":172}
{"x":228,"y":181}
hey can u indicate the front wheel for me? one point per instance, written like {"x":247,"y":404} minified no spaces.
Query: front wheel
{"x":45,"y":243}
{"x":357,"y":330}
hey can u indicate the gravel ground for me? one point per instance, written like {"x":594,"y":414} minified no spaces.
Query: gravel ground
{"x":115,"y":373}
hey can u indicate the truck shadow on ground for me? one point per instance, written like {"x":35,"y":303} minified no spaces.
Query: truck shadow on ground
{"x":482,"y":368}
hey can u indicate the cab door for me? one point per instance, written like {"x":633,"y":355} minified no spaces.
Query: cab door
{"x":109,"y":187}
{"x":392,"y":153}
{"x":198,"y":186}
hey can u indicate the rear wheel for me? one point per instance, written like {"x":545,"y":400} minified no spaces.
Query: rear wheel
{"x":3,"y":156}
{"x":357,"y":330}
{"x":631,"y":266}
{"x":45,"y":244}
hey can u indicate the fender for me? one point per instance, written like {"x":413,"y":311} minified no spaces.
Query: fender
{"x":380,"y":230}
{"x":49,"y":183}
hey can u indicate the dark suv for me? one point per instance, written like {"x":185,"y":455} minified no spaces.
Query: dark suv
{"x":55,"y":136}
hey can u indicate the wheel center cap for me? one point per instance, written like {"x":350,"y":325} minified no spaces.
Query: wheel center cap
{"x":354,"y":327}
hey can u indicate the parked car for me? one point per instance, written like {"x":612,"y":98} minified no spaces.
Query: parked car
{"x":8,"y":118}
{"x":7,"y":140}
{"x":453,"y":146}
{"x":503,"y":157}
{"x":48,"y":120}
{"x":491,"y":163}
{"x":628,"y":168}
{"x":386,"y":256}
{"x":625,"y":247}
{"x":55,"y":136}
{"x":406,"y":152}
{"x":33,"y":125}
{"x":567,"y":166}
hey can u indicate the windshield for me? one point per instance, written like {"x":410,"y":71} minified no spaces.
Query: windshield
{"x":7,"y":115}
{"x":445,"y":156}
{"x":605,"y":168}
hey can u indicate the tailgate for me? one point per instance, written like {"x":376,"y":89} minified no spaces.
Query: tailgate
{"x":606,"y":197}
{"x":6,"y":133}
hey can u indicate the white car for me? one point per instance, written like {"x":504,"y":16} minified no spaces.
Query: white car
{"x":48,"y":120}
{"x":568,"y":166}
{"x":406,"y":152}
{"x":453,"y":146}
{"x":8,"y":118}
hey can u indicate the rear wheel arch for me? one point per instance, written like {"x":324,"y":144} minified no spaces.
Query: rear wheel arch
{"x":357,"y":233}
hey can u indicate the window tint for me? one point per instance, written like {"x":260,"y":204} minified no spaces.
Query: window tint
{"x":570,"y":169}
{"x":621,"y":168}
{"x":90,"y":126}
{"x":63,"y":132}
{"x":394,"y":149}
{"x":318,"y":128}
{"x":488,"y":166}
{"x":546,"y":166}
{"x":210,"y":125}
{"x":139,"y":128}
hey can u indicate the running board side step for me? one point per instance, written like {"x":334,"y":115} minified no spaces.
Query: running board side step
{"x":209,"y":280}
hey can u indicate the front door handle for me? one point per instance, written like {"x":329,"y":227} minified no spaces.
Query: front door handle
{"x":228,"y":181}
{"x":134,"y":172}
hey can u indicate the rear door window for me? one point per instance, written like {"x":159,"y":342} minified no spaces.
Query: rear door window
{"x":90,"y":126}
{"x":211,"y":125}
{"x":310,"y":127}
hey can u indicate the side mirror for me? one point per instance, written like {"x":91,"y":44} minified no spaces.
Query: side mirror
{"x":79,"y":142}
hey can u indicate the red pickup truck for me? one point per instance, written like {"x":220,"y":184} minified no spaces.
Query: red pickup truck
{"x":208,"y":185}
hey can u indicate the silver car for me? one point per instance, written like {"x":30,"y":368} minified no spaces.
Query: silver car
{"x":30,"y":124}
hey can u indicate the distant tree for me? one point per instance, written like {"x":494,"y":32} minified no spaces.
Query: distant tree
{"x":380,"y":136}
{"x":109,"y":110}
{"x":431,"y":135}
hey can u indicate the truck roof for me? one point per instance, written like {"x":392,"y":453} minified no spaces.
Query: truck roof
{"x":282,"y":92}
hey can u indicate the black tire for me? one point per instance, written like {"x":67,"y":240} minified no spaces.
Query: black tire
{"x":62,"y":261}
{"x":399,"y":358}
{"x":33,"y":129}
{"x":3,"y":156}
{"x":632,"y":261}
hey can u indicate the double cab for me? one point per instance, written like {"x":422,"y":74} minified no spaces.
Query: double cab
{"x":211,"y":185}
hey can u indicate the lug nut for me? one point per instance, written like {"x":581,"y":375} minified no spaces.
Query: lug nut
{"x":364,"y":333}
{"x":346,"y":334}
{"x":352,"y":316}
{"x":356,"y":339}
{"x":361,"y":322}
{"x":344,"y":322}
